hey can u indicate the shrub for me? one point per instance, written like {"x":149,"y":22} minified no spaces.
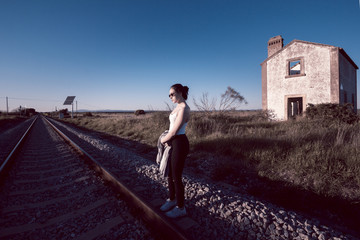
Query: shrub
{"x":331,"y":113}
{"x":139,"y":112}
{"x":267,"y":115}
{"x":88,"y":114}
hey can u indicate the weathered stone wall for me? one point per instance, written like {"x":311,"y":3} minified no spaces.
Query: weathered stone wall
{"x":314,"y":86}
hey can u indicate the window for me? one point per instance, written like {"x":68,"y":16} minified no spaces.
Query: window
{"x":295,"y":67}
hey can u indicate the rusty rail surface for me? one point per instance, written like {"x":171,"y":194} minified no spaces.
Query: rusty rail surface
{"x":5,"y":166}
{"x":160,"y":224}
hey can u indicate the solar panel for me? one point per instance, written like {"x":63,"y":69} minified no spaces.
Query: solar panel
{"x":69,"y":100}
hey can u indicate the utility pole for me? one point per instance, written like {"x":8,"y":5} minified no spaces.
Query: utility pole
{"x":7,"y":106}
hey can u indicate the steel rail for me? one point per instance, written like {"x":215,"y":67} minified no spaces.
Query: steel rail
{"x":6,"y":164}
{"x":151,"y":216}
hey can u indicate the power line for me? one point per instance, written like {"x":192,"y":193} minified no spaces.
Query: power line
{"x":35,"y":99}
{"x":50,"y":100}
{"x":14,"y":99}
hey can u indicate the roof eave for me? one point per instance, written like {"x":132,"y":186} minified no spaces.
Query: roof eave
{"x":342,"y":51}
{"x":276,"y":53}
{"x":319,"y":44}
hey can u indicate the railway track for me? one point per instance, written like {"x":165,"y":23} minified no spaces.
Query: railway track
{"x":11,"y":136}
{"x":48,"y":192}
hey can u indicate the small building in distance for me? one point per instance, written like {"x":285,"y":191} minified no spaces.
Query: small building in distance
{"x":305,"y":72}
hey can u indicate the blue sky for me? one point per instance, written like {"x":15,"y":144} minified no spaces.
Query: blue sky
{"x":125,"y":54}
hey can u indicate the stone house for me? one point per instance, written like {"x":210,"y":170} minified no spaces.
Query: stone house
{"x":305,"y":72}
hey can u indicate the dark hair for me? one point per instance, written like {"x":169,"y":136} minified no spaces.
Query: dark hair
{"x":182,"y":89}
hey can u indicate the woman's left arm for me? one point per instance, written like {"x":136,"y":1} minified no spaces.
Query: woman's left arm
{"x":180,"y":120}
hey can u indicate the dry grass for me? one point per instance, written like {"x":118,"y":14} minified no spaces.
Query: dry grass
{"x":8,"y":117}
{"x":320,"y":159}
{"x":302,"y":165}
{"x":9,"y":121}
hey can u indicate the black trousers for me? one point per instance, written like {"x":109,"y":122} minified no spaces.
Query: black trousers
{"x":180,"y":149}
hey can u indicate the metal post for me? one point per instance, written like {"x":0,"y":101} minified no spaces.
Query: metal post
{"x":72,"y":110}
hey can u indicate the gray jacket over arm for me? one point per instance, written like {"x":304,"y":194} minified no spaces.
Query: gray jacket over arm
{"x":164,"y":153}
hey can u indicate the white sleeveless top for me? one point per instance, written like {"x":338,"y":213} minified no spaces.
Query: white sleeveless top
{"x":172,"y":118}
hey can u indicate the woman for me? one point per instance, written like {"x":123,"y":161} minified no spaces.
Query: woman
{"x":179,"y":117}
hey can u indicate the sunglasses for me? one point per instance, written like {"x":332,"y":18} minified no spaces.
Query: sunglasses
{"x":171,"y":95}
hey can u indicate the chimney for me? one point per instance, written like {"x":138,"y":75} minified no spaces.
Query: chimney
{"x":275,"y":44}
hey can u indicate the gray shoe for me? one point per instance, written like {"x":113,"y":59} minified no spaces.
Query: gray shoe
{"x":168,"y":205}
{"x":176,"y":212}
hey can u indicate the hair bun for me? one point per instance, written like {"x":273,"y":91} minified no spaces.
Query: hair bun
{"x":185,"y":92}
{"x":180,"y":88}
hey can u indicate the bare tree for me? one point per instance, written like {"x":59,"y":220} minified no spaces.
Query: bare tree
{"x":205,"y":104}
{"x":230,"y":100}
{"x":150,"y":108}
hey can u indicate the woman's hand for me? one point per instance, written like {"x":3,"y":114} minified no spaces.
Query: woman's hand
{"x":164,"y":143}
